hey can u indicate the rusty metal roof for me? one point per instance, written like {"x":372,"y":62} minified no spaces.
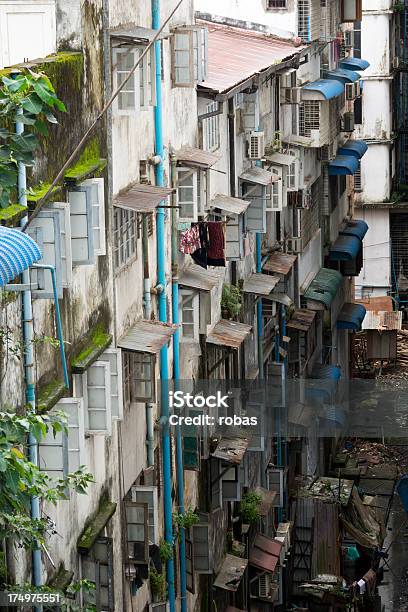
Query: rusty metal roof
{"x":235,"y":55}
{"x":268,"y":498}
{"x":229,"y":204}
{"x":142,"y":198}
{"x":260,"y":284}
{"x":231,"y":573}
{"x":229,"y":334}
{"x":281,"y":263}
{"x":147,"y":337}
{"x":302,"y":319}
{"x":282,"y":159}
{"x":382,"y":321}
{"x":196,"y":158}
{"x":265,"y":552}
{"x":259,"y":175}
{"x":197,"y":277}
{"x":380,"y":303}
{"x":231,"y":449}
{"x":135,"y":34}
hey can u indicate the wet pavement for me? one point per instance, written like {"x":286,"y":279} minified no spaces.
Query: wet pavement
{"x":394,"y":589}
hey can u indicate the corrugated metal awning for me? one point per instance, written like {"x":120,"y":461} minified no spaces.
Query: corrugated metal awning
{"x":302,"y":319}
{"x":260,"y":284}
{"x":351,"y":316}
{"x":281,"y":263}
{"x":259,"y":175}
{"x":267,"y":500}
{"x":231,"y":205}
{"x":322,"y":89}
{"x":231,"y":449}
{"x":197,"y":277}
{"x":18,"y":251}
{"x":265,"y":553}
{"x":281,"y":159}
{"x":382,"y":321}
{"x":377,"y":304}
{"x":343,"y":165}
{"x":355,"y":227}
{"x":354,"y":63}
{"x":136,"y":34}
{"x":344,"y":75}
{"x":324,"y":286}
{"x":147,"y":337}
{"x":229,"y":334}
{"x":358,"y":148}
{"x":142,"y":198}
{"x":196,"y":158}
{"x":231,"y":573}
{"x":345,"y":248}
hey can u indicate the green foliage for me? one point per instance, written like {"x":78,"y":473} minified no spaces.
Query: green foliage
{"x":165,"y":551}
{"x":250,"y":506}
{"x":231,"y":301}
{"x":30,"y":99}
{"x":20,"y":480}
{"x":157,"y":585}
{"x":187,"y":519}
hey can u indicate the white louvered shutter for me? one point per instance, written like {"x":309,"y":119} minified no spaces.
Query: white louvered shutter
{"x":80,"y":200}
{"x":97,"y":194}
{"x":74,"y":409}
{"x":45,"y":229}
{"x":98,"y":383}
{"x":114,"y":357}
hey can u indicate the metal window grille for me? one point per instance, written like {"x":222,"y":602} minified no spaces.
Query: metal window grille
{"x":276,"y":4}
{"x":304,"y":20}
{"x":309,"y":117}
{"x":212,"y":128}
{"x":124,"y":236}
{"x":357,"y":179}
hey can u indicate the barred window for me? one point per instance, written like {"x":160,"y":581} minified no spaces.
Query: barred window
{"x":275,"y":4}
{"x":124,"y":236}
{"x":309,"y":117}
{"x":357,"y":178}
{"x":304,"y":20}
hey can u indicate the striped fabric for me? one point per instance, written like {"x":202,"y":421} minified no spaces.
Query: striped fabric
{"x":18,"y":252}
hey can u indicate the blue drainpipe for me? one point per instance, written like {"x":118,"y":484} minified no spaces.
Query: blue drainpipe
{"x":161,"y":279}
{"x":29,"y":366}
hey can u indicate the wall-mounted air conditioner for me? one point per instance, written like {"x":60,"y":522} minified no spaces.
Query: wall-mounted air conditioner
{"x":256,"y":145}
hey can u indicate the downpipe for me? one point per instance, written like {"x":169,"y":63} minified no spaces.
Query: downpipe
{"x":147,"y":310}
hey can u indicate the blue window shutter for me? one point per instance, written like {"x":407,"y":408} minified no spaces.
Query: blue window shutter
{"x":80,"y":199}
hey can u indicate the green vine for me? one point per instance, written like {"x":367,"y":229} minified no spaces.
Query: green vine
{"x":165,"y":551}
{"x":157,"y":585}
{"x":186,"y":520}
{"x":250,"y":507}
{"x":231,"y":301}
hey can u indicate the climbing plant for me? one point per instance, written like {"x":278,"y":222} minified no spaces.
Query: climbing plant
{"x":21,"y":480}
{"x":28,"y":98}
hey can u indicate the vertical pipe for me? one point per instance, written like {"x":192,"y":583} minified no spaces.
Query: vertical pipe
{"x":176,"y":376}
{"x":29,"y":371}
{"x":258,"y":239}
{"x":161,"y":279}
{"x":147,"y":309}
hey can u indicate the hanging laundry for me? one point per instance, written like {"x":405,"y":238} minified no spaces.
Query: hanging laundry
{"x":370,"y":579}
{"x":216,"y":243}
{"x":200,"y":255}
{"x":190,"y":240}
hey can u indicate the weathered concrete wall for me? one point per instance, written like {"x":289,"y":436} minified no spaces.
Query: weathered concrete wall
{"x":68,"y":17}
{"x":375,"y":278}
{"x":310,"y":262}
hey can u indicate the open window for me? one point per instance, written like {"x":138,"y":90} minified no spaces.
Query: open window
{"x":138,"y":377}
{"x":97,"y":567}
{"x":189,"y":54}
{"x":114,"y":358}
{"x":148,"y":495}
{"x":139,"y":91}
{"x":274,"y":201}
{"x":187,"y":195}
{"x":351,"y":10}
{"x":277,"y":480}
{"x":189,"y":315}
{"x":250,"y":112}
{"x":137,"y":525}
{"x":256,"y":211}
{"x":97,"y":387}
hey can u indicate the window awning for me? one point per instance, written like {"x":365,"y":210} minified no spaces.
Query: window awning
{"x":231,"y":573}
{"x":322,"y":89}
{"x":260,"y":284}
{"x":90,"y":348}
{"x":354,"y":63}
{"x":142,"y":198}
{"x":357,"y":148}
{"x":147,"y":337}
{"x":280,"y":298}
{"x":355,"y":227}
{"x":229,"y":334}
{"x":95,"y":525}
{"x":280,"y":263}
{"x":197,"y":277}
{"x":345,"y":248}
{"x":18,"y":251}
{"x":344,"y":75}
{"x":136,"y":34}
{"x":196,"y":158}
{"x":267,"y":500}
{"x":228,"y":204}
{"x":302,"y":319}
{"x":231,"y":449}
{"x":324,"y":286}
{"x":281,"y":159}
{"x":343,"y":165}
{"x":351,"y":316}
{"x":259,"y":176}
{"x":265,"y":553}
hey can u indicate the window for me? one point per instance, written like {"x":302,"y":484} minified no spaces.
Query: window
{"x":304,"y":17}
{"x":309,"y":117}
{"x":137,"y":526}
{"x":98,"y":398}
{"x":139,"y":92}
{"x":351,"y":10}
{"x":138,"y":377}
{"x":275,"y":4}
{"x":189,"y":315}
{"x":255,"y":216}
{"x":357,"y":39}
{"x":87,"y":217}
{"x":187,"y":194}
{"x":124,"y":236}
{"x":357,"y":178}
{"x":189,"y":56}
{"x":212,"y":128}
{"x":148,"y":495}
{"x":275,"y":200}
{"x":358,"y":111}
{"x":250,"y":112}
{"x":97,"y":567}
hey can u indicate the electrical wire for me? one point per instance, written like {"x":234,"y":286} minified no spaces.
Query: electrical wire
{"x":89,"y":131}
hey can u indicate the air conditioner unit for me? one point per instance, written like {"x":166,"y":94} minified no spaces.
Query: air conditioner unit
{"x":256,"y":145}
{"x":348,"y":122}
{"x":350,"y":91}
{"x":267,"y":587}
{"x":348,"y":39}
{"x":294,"y":245}
{"x":293,"y":95}
{"x":396,"y":62}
